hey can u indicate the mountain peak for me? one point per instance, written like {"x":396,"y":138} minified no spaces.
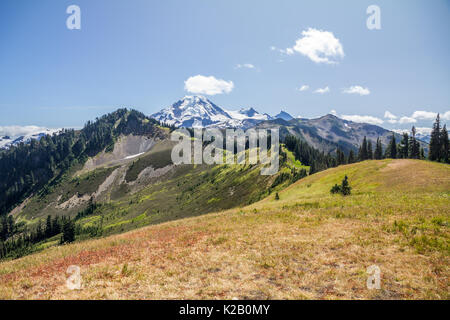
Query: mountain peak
{"x":198,"y":111}
{"x":192,"y":111}
{"x":330,"y":116}
{"x":195,"y":98}
{"x":284,"y":115}
{"x":250,"y":112}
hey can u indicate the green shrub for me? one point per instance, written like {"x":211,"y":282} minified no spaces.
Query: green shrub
{"x":343,"y":189}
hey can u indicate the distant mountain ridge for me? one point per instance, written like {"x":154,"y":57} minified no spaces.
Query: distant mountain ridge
{"x":200,"y":112}
{"x":326,"y":133}
{"x":329,"y":132}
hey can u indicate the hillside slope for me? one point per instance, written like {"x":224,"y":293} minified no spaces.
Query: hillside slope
{"x":132,"y":189}
{"x":309,"y":244}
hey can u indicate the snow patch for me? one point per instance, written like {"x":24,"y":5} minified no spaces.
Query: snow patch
{"x":133,"y":156}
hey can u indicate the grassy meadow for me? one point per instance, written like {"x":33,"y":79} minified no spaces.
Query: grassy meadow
{"x":309,"y":244}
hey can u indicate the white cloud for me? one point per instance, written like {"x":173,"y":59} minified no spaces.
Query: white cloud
{"x":318,"y":45}
{"x":333,"y":112}
{"x":357,"y":90}
{"x":17,"y":131}
{"x":207,"y":85}
{"x":289,"y":51}
{"x":304,"y":87}
{"x":245,"y":65}
{"x":363,"y":119}
{"x":415,"y":117}
{"x":446,"y":115}
{"x":424,"y":115}
{"x":389,"y":115}
{"x":322,"y":90}
{"x":407,"y":120}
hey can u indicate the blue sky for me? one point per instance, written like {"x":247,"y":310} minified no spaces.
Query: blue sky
{"x":140,"y":53}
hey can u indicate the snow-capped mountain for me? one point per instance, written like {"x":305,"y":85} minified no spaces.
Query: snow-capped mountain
{"x":14,"y":135}
{"x":249,"y":113}
{"x":192,"y":111}
{"x":200,"y":112}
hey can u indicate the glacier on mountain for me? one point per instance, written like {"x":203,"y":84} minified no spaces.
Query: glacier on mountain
{"x":200,"y":112}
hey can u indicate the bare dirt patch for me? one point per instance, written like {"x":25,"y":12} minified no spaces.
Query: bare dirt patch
{"x":124,"y":149}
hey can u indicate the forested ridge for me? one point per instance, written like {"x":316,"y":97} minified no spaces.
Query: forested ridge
{"x":29,"y":168}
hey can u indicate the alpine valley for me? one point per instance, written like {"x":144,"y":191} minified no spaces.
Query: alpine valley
{"x":107,"y":197}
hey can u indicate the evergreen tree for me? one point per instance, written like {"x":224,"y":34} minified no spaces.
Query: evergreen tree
{"x":39,"y":234}
{"x":435,"y":141}
{"x":335,"y":189}
{"x":4,"y":229}
{"x":351,"y":157}
{"x":48,"y":227}
{"x":391,"y":151}
{"x":56,"y":228}
{"x":312,"y":168}
{"x":10,"y":226}
{"x":277,"y":197}
{"x":404,"y":146}
{"x":68,"y":232}
{"x":414,"y":146}
{"x":422,"y":154}
{"x":378,"y":155}
{"x":363,"y":152}
{"x":340,"y":157}
{"x":445,"y":152}
{"x":345,"y":187}
{"x":369,"y":150}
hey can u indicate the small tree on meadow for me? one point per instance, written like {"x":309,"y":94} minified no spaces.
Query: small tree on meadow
{"x":343,"y":189}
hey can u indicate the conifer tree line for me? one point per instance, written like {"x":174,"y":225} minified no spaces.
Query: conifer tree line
{"x":17,"y":240}
{"x":407,"y":148}
{"x":309,"y":156}
{"x":439,"y":144}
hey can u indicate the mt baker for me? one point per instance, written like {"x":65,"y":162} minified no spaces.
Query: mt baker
{"x":199,"y":112}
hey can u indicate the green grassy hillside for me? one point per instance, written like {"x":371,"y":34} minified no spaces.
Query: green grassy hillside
{"x":309,"y":244}
{"x":147,"y":189}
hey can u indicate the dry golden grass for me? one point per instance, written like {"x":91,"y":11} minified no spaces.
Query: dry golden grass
{"x":307,"y":245}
